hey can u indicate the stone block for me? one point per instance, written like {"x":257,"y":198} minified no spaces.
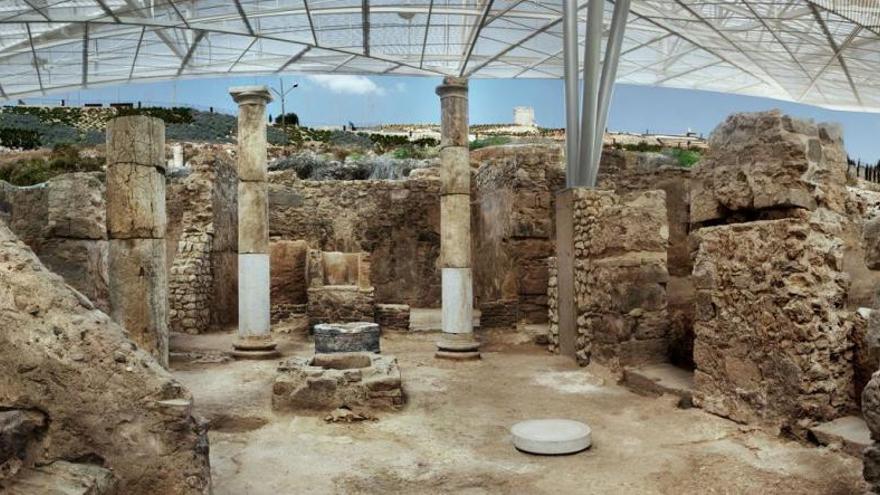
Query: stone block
{"x":253,"y":295}
{"x":76,"y":207}
{"x":335,"y":304}
{"x":767,"y":160}
{"x":455,"y":170}
{"x":394,"y":317}
{"x":455,"y":235}
{"x":775,"y":347}
{"x":135,"y":201}
{"x":136,"y":140}
{"x":251,"y":156}
{"x":139,"y":292}
{"x":253,"y":218}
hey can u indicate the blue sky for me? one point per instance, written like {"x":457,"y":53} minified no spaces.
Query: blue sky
{"x":328,"y":100}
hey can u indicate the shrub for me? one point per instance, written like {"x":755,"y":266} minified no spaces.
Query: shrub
{"x":19,"y":138}
{"x":63,"y":159}
{"x":686,"y":158}
{"x":489,"y":141}
{"x":290,"y":118}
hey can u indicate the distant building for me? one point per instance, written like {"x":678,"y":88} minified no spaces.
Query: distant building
{"x":524,"y":116}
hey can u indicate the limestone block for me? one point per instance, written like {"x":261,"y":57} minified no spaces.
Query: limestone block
{"x":340,"y":268}
{"x":458,"y":301}
{"x":76,"y":206}
{"x":455,"y":230}
{"x":252,"y":142}
{"x":363,"y":271}
{"x":139,"y":292}
{"x":83,"y":263}
{"x":453,"y":111}
{"x":253,"y":218}
{"x":315,"y":268}
{"x":253,"y":295}
{"x":767,"y":160}
{"x":772,"y":338}
{"x":288,"y":272}
{"x":135,"y":201}
{"x":76,"y":366}
{"x":136,"y":140}
{"x":393,"y":317}
{"x":455,"y":170}
{"x":340,"y":303}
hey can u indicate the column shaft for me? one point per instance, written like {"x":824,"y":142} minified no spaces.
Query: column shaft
{"x":458,"y":340}
{"x":136,"y":227}
{"x":254,"y":333}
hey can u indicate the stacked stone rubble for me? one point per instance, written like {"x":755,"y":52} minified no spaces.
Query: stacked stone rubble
{"x":86,"y":391}
{"x":620,"y":277}
{"x":201,"y":244}
{"x":514,"y":231}
{"x":552,"y":305}
{"x":136,"y":226}
{"x":772,"y":332}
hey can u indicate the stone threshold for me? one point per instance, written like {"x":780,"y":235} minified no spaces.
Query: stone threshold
{"x":851,"y":433}
{"x":661,"y":378}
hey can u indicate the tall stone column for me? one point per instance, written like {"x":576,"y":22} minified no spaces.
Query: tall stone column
{"x":254,"y":337}
{"x":458,"y":340}
{"x":136,"y":229}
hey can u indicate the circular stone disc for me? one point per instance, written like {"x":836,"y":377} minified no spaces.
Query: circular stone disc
{"x":551,"y":436}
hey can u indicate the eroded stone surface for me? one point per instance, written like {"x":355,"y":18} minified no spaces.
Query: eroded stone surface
{"x":98,"y":390}
{"x":772,"y":336}
{"x":358,"y":336}
{"x":329,"y":381}
{"x":767,"y":160}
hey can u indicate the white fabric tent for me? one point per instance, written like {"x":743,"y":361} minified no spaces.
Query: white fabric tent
{"x":823,"y":52}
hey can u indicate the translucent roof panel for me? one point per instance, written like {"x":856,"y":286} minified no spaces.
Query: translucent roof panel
{"x":822,"y":52}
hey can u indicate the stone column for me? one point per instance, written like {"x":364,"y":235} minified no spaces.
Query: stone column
{"x":254,"y":337}
{"x":458,"y":340}
{"x":136,"y":229}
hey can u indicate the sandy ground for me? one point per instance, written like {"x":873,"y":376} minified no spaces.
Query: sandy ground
{"x":453,"y":436}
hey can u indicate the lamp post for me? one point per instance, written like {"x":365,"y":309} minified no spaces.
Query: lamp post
{"x":282,"y":94}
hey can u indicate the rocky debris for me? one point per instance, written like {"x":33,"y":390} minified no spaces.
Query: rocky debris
{"x":866,"y":347}
{"x":346,"y":415}
{"x":394,"y":317}
{"x":768,"y":161}
{"x":19,"y":430}
{"x":871,"y":413}
{"x":62,"y":477}
{"x":353,"y":380}
{"x":871,"y":235}
{"x":620,"y":275}
{"x":103,"y":397}
{"x":772,"y":340}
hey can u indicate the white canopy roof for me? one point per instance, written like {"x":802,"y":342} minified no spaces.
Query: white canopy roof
{"x":823,"y":52}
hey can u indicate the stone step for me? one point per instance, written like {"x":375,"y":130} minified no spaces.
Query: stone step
{"x":850,"y":432}
{"x":61,"y":478}
{"x":661,"y":378}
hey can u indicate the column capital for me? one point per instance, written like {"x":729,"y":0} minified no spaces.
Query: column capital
{"x":453,"y":86}
{"x":250,"y":95}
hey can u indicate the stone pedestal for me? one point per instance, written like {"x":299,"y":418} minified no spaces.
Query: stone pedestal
{"x":254,"y":338}
{"x":458,"y":340}
{"x":136,"y":226}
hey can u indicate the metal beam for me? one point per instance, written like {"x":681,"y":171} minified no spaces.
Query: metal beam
{"x":38,"y":10}
{"x":365,"y":25}
{"x":570,"y":61}
{"x":838,"y":54}
{"x":427,"y":29}
{"x":475,"y":36}
{"x":294,"y":58}
{"x":590,"y":106}
{"x":36,"y":60}
{"x":311,"y":22}
{"x":244,"y":17}
{"x":85,"y":57}
{"x":191,"y":51}
{"x":609,"y":75}
{"x":107,"y":10}
{"x":242,"y":54}
{"x":137,"y":52}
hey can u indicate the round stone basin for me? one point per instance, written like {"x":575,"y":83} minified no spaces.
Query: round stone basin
{"x":358,"y":336}
{"x":551,"y":436}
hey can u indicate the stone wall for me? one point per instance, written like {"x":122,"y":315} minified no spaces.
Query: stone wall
{"x":101,"y":398}
{"x":772,"y":333}
{"x":514,"y":190}
{"x":552,"y":305}
{"x":64,"y":222}
{"x":288,"y":283}
{"x":398,"y":222}
{"x":202,"y":243}
{"x":620,"y":244}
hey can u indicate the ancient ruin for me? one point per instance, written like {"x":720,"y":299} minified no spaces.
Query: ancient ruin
{"x":222,"y":299}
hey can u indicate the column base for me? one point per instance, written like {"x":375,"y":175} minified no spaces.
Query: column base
{"x":255,"y":348}
{"x":458,"y":347}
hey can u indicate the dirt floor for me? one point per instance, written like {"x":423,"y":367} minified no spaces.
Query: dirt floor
{"x":453,"y":435}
